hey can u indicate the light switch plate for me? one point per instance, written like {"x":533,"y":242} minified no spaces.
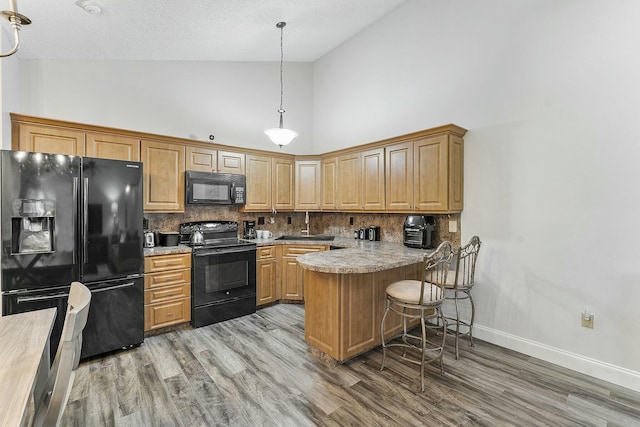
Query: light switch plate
{"x":453,"y":226}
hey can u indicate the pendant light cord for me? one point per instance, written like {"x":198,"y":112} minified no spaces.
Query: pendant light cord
{"x":281,"y":26}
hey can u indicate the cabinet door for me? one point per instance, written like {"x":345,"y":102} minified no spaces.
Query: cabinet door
{"x":258,"y":183}
{"x":201,"y":159}
{"x":329,"y":175}
{"x":229,"y":162}
{"x":265,"y":281}
{"x":399,"y":177}
{"x":431,"y":173}
{"x":307,"y":185}
{"x":117,"y":147}
{"x":373,"y":180}
{"x":456,"y":170}
{"x":45,"y":139}
{"x":291,"y":281}
{"x":348,"y":182}
{"x":282,"y":182}
{"x":163,"y":176}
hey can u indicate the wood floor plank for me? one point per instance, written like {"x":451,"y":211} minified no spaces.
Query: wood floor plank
{"x":257,"y":370}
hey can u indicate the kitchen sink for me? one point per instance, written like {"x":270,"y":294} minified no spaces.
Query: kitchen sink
{"x":314,"y":237}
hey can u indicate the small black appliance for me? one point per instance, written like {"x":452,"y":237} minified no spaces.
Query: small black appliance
{"x":418,"y":231}
{"x":374,"y":233}
{"x":249,"y":229}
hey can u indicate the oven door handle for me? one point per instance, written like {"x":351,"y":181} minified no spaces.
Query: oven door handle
{"x":21,"y":300}
{"x":221,"y":251}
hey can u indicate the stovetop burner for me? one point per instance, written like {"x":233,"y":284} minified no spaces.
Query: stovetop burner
{"x":217,"y":234}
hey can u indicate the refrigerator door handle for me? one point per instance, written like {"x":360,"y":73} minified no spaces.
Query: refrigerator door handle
{"x":111,"y":288}
{"x":85,"y":213}
{"x":21,"y":300}
{"x":75,"y":216}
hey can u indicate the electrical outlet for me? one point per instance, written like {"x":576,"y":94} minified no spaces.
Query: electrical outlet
{"x":260,"y":220}
{"x":288,"y":220}
{"x":587,"y":322}
{"x":453,"y":226}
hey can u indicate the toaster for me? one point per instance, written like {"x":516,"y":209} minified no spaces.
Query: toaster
{"x":418,"y":231}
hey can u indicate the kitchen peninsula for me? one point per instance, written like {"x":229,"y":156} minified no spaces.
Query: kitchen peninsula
{"x":345,"y":295}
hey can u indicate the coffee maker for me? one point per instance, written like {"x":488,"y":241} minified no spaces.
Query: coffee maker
{"x":249,"y":229}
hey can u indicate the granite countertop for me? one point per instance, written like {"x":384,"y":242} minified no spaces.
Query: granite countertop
{"x":167,"y":250}
{"x":358,"y":256}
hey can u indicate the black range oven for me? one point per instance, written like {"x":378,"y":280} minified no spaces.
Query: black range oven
{"x":223,"y":275}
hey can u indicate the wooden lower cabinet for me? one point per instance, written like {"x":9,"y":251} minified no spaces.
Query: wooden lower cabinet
{"x":343,"y":312}
{"x":266,"y":264}
{"x":291,"y":274}
{"x":167,"y":290}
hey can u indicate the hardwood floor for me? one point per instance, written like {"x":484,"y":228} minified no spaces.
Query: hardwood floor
{"x":256,"y":370}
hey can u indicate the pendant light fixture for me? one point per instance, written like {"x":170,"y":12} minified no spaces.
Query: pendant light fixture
{"x":280,"y":135}
{"x":17,"y":21}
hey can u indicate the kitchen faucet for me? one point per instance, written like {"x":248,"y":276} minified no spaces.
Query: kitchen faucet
{"x":306,"y":221}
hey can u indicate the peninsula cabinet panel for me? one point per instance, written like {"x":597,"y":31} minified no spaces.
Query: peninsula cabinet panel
{"x":47,"y":139}
{"x":321,"y":312}
{"x":329,"y":176}
{"x":282,"y":195}
{"x":360,"y":316}
{"x":373,"y":180}
{"x":164,"y":167}
{"x":258,"y":183}
{"x":431,"y":173}
{"x":348,"y":182}
{"x":399,"y":176}
{"x":307,"y":186}
{"x":115,"y":147}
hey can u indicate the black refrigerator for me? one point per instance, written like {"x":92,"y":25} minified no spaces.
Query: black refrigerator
{"x":70,"y":218}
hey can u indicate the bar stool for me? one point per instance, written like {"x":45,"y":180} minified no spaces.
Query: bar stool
{"x":421,"y":299}
{"x":458,"y":287}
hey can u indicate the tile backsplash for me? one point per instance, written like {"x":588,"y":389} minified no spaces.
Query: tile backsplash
{"x":333,"y":223}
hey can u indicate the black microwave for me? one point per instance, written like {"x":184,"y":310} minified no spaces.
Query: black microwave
{"x":204,"y":188}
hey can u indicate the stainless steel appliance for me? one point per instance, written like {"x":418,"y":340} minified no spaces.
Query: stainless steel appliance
{"x":223,"y":272}
{"x":418,"y":231}
{"x":67,"y":218}
{"x":374,"y":233}
{"x":149,"y":239}
{"x":203,"y":188}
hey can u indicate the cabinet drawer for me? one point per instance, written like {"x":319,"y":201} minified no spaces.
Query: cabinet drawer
{"x":165,"y":314}
{"x":167,"y":293}
{"x":301,"y":250}
{"x":166,"y":262}
{"x":165,"y":278}
{"x":266,"y":252}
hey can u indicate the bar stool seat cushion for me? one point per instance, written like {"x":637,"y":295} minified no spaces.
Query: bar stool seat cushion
{"x":409,"y":291}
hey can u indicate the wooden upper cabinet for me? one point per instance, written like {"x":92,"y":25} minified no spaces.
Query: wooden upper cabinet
{"x":373,"y":180}
{"x":229,"y":162}
{"x":399,"y":176}
{"x":348,"y":182}
{"x":164,"y":166}
{"x":431,"y":174}
{"x":47,"y":139}
{"x":456,"y":173}
{"x":117,"y":147}
{"x":203,"y":159}
{"x":258,"y":183}
{"x":269,"y":184}
{"x":328,"y":190}
{"x":282,"y":173}
{"x":307,"y":186}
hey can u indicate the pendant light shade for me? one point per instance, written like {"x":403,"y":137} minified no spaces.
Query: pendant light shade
{"x":281,"y":136}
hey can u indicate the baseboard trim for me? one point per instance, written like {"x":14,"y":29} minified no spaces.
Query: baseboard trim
{"x":585,"y":365}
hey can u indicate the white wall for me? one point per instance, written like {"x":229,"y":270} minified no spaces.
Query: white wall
{"x":550,"y":93}
{"x":10,"y":96}
{"x":235,"y":101}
